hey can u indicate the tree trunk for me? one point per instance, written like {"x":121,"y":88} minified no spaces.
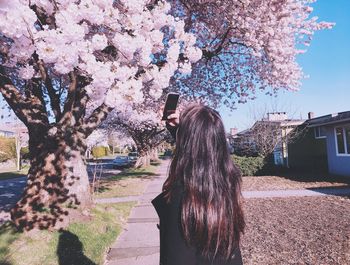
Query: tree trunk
{"x":18,"y":153}
{"x":154,"y":154}
{"x":143,"y":161}
{"x":57,"y":179}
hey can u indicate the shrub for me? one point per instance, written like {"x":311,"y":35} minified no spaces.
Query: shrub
{"x":250,"y":165}
{"x":25,"y":152}
{"x":99,"y":151}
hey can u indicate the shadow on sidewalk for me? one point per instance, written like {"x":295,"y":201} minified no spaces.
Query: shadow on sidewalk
{"x":70,"y":250}
{"x":343,"y":191}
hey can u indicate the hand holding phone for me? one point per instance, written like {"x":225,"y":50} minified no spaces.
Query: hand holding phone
{"x":170,"y":105}
{"x":174,"y":119}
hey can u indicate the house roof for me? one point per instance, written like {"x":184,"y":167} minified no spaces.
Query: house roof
{"x":329,"y":119}
{"x":279,"y":123}
{"x":13,"y":128}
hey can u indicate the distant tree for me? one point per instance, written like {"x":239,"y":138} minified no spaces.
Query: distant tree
{"x":143,"y":127}
{"x":268,"y":135}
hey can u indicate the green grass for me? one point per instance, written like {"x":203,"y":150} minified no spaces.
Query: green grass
{"x":83,"y":242}
{"x":130,"y":182}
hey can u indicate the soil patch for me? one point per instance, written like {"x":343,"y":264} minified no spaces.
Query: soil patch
{"x":306,"y":230}
{"x":284,"y":183}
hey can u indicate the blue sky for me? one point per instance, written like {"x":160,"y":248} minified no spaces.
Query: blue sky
{"x":327,"y":62}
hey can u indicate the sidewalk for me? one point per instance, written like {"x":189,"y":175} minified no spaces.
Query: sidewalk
{"x":139,"y":242}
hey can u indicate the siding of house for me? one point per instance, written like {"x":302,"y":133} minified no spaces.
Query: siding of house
{"x":308,"y":153}
{"x":339,"y":165}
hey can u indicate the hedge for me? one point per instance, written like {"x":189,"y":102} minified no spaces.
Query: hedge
{"x":99,"y":151}
{"x":250,"y":166}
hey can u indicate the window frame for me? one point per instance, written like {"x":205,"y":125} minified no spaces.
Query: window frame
{"x":346,"y":151}
{"x":318,"y":129}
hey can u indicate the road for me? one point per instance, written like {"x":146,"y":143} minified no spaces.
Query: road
{"x":11,"y":189}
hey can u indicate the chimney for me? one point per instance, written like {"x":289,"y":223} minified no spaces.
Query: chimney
{"x":310,"y":115}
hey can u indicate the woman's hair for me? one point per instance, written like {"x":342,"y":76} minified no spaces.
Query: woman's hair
{"x":211,"y":215}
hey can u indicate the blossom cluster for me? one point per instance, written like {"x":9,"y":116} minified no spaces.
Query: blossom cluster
{"x":251,"y":44}
{"x":127,"y":48}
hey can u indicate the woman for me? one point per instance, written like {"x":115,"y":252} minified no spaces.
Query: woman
{"x":201,"y":219}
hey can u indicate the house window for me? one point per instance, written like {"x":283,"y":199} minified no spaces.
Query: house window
{"x":320,"y":132}
{"x":347,"y":138}
{"x":342,"y":136}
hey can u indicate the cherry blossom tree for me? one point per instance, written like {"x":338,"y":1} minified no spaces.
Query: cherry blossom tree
{"x":144,"y":127}
{"x":120,"y":140}
{"x":64,"y":65}
{"x":247,"y":45}
{"x":96,"y":138}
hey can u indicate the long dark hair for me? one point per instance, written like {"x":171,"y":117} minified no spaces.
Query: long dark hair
{"x":211,"y":214}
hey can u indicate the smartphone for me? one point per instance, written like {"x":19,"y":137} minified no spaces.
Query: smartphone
{"x":170,"y":105}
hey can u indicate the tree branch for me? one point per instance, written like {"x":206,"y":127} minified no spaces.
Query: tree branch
{"x":95,"y":119}
{"x":13,"y":98}
{"x":68,"y":106}
{"x":29,"y":111}
{"x":54,"y":98}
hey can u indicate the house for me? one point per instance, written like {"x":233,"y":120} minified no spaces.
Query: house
{"x":6,"y":133}
{"x":325,"y":146}
{"x":268,"y":136}
{"x":11,"y":129}
{"x":335,"y":129}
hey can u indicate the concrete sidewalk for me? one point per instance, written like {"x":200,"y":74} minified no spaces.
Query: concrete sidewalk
{"x":139,"y":242}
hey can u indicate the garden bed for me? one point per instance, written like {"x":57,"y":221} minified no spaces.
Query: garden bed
{"x":306,"y":230}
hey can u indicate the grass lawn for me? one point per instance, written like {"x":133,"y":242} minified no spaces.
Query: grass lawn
{"x":81,"y":243}
{"x":130,"y":182}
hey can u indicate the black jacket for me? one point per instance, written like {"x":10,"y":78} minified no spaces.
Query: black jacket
{"x":173,"y":248}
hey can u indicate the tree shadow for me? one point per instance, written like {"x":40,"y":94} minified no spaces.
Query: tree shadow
{"x":133,"y":174}
{"x":305,"y":176}
{"x":342,"y":191}
{"x":70,"y":250}
{"x":155,"y":163}
{"x":11,"y":175}
{"x":8,"y":234}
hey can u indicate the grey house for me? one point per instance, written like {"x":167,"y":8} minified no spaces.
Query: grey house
{"x":270,"y":135}
{"x":335,"y":130}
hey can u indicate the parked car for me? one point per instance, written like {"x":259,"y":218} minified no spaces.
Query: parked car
{"x":133,"y":157}
{"x":168,"y":152}
{"x":121,"y":161}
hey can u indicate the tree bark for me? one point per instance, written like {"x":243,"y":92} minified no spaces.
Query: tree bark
{"x":144,"y":160}
{"x":57,"y":179}
{"x":154,"y":154}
